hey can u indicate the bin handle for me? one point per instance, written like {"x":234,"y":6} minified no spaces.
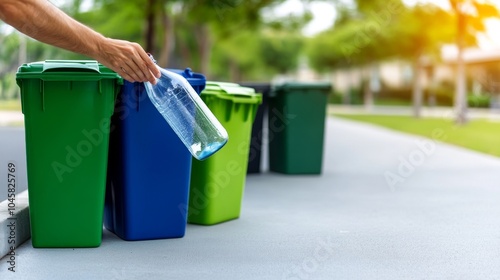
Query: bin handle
{"x":85,"y":65}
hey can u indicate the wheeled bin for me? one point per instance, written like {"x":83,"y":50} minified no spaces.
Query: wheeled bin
{"x":67,"y":107}
{"x":217,"y":183}
{"x":296,"y":125}
{"x":149,"y":168}
{"x":256,"y":143}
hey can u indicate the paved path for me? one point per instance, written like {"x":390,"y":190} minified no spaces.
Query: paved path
{"x":12,"y":149}
{"x":441,"y":222}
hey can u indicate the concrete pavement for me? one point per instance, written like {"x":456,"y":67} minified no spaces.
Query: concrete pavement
{"x":387,"y":206}
{"x":12,"y":149}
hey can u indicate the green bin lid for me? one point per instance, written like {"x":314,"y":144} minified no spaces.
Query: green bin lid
{"x":232,"y":91}
{"x":66,"y":70}
{"x":324,"y":87}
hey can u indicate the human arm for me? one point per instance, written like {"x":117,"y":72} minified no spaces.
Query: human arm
{"x":44,"y":22}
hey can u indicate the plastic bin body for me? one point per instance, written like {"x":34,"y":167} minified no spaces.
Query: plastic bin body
{"x":256,"y":144}
{"x":217,"y":183}
{"x":67,"y":107}
{"x":297,"y":113}
{"x":149,"y":169}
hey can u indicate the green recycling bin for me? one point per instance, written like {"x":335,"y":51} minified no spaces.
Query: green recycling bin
{"x":67,"y":107}
{"x":296,"y":123}
{"x":217,"y":183}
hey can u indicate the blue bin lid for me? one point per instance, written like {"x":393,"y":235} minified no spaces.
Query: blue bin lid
{"x":194,"y":79}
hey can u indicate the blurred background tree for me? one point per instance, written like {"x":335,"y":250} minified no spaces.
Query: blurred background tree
{"x":420,"y":32}
{"x":361,"y":36}
{"x":238,"y":40}
{"x":369,"y":32}
{"x":179,"y":34}
{"x":470,"y":16}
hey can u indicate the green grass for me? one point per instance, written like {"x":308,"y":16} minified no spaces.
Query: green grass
{"x":10,"y":105}
{"x":392,"y":102}
{"x":479,"y":135}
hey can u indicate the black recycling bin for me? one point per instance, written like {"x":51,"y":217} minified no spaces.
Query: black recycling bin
{"x":254,"y":156}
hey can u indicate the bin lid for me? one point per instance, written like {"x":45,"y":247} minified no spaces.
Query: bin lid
{"x":325,"y":87}
{"x":66,"y":70}
{"x":231,"y":91}
{"x":228,"y":88}
{"x":194,"y":79}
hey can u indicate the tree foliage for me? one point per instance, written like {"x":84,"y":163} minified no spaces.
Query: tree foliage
{"x":206,"y":35}
{"x":376,"y":31}
{"x":257,"y":55}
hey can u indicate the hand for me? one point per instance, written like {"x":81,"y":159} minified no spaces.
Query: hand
{"x":127,"y":59}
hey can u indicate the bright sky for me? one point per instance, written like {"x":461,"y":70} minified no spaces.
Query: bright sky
{"x":324,"y":15}
{"x":489,"y":40}
{"x":323,"y":11}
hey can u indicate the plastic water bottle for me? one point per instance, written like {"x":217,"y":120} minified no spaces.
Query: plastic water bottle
{"x":187,"y":114}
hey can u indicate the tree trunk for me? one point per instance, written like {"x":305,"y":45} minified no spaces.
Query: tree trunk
{"x":235,"y":72}
{"x":150,"y":26}
{"x":461,"y":94}
{"x":347,"y":98}
{"x":417,"y":93}
{"x":461,"y":86}
{"x":22,"y":50}
{"x":185,"y":53}
{"x":169,"y":38}
{"x":367,"y":90}
{"x":204,"y":48}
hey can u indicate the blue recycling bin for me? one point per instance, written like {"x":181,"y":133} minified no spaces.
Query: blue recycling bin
{"x":149,"y":168}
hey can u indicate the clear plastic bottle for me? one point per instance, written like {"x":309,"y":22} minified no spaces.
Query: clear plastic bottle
{"x":187,"y":114}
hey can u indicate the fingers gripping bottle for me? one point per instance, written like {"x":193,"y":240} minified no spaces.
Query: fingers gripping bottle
{"x":187,"y":114}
